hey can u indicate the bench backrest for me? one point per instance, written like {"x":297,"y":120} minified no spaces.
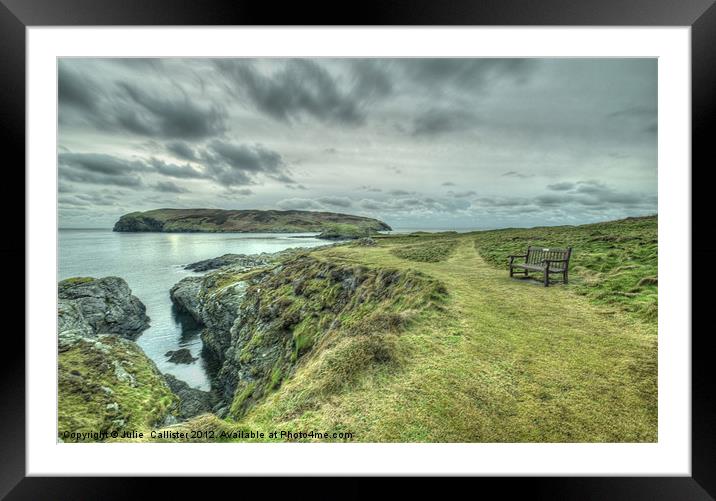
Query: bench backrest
{"x":535,"y":255}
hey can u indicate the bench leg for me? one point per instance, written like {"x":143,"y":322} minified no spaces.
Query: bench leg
{"x":511,"y":272}
{"x":546,"y":278}
{"x":566,"y":279}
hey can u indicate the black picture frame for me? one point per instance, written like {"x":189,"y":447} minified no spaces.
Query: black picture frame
{"x":17,"y":15}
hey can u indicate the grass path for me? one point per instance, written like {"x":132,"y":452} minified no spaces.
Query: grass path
{"x":507,"y":361}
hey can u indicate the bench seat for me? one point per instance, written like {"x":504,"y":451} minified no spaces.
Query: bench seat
{"x":547,"y":261}
{"x":537,"y":267}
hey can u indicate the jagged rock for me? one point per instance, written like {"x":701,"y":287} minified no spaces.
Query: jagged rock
{"x":185,"y":295}
{"x":89,"y":306}
{"x":192,"y":401}
{"x":248,"y":261}
{"x":181,"y":356}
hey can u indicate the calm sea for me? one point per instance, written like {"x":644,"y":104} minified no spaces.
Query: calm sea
{"x":152,"y":263}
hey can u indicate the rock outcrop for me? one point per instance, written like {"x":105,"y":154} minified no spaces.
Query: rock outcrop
{"x":185,"y":296}
{"x":247,"y":261}
{"x":89,"y":306}
{"x":181,"y":356}
{"x":192,"y":401}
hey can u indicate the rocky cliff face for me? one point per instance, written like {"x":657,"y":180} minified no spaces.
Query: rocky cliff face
{"x":261,"y":324}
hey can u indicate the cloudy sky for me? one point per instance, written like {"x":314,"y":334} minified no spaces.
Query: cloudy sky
{"x":418,"y":143}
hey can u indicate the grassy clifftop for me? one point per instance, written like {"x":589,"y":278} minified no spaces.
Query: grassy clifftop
{"x":268,"y":221}
{"x":483,"y":358}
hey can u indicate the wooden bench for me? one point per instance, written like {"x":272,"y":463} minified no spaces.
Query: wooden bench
{"x":546,"y":261}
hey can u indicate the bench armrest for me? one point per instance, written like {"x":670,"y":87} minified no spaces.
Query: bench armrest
{"x":517,"y":255}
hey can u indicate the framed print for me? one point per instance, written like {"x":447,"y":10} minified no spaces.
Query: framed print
{"x":427,"y":243}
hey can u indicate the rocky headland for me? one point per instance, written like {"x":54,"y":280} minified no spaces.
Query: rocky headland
{"x":255,"y":221}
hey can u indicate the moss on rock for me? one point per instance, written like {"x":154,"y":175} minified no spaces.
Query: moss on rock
{"x":108,"y":384}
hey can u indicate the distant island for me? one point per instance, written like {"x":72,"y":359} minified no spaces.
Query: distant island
{"x":331,"y":225}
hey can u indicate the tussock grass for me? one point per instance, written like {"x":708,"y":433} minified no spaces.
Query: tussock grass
{"x":613,"y":263}
{"x":432,"y":251}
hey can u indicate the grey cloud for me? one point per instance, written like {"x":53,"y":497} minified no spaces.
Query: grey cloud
{"x":371,"y":80}
{"x":513,"y":173}
{"x":501,"y":202}
{"x":167,"y":117}
{"x":369,"y":204}
{"x":299,"y":204}
{"x":232,"y":193}
{"x":181,"y":150}
{"x":185,"y":171}
{"x":591,"y":187}
{"x":169,"y":187}
{"x":415,"y":205}
{"x":96,"y":168}
{"x":103,"y":198}
{"x":100,"y":163}
{"x":240,"y":191}
{"x":448,"y":183}
{"x":400,"y":192}
{"x":282,"y":177}
{"x":603,"y":193}
{"x":435,"y":122}
{"x":592,"y":193}
{"x":247,"y":158}
{"x":299,"y":88}
{"x":561,"y":186}
{"x":99,"y":178}
{"x":125,"y":107}
{"x":462,"y":194}
{"x":637,"y":118}
{"x":553,"y":199}
{"x":634,"y":112}
{"x":474,"y":74}
{"x":336,"y":201}
{"x":76,"y":90}
{"x":237,"y":164}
